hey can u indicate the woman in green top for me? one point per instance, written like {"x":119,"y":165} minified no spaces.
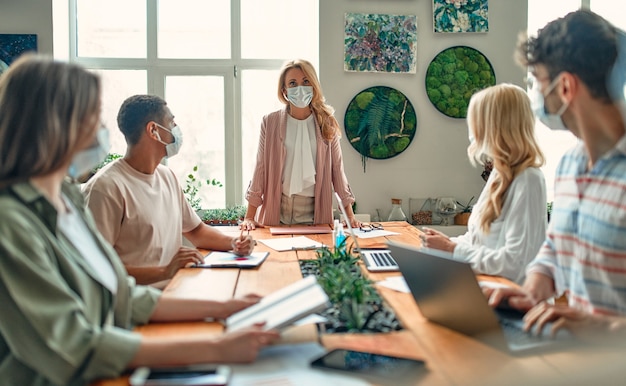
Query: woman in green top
{"x":68,"y":306}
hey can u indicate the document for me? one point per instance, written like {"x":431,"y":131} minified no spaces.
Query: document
{"x":284,"y":307}
{"x":373,"y":233}
{"x":289,"y":365}
{"x":231,"y":260}
{"x":292,"y":243}
{"x":301,"y":230}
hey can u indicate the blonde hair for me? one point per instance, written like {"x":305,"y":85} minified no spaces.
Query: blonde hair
{"x":323,"y":111}
{"x":503,"y":125}
{"x":47,"y":110}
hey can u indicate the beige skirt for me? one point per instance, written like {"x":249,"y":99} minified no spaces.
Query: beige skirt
{"x":297,"y":209}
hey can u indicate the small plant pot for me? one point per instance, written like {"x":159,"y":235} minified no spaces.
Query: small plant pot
{"x":461,"y":218}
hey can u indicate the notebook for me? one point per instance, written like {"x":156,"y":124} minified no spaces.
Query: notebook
{"x":282,"y":308}
{"x":217,"y":259}
{"x":447,"y":293}
{"x":375,"y":260}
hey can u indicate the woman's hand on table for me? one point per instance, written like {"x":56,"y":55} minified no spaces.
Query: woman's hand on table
{"x":437,"y":240}
{"x":247,"y":224}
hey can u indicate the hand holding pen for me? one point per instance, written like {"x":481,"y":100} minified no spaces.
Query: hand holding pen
{"x":244,"y":244}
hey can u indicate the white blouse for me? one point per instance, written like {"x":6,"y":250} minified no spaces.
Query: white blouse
{"x":301,"y":150}
{"x":515,"y":236}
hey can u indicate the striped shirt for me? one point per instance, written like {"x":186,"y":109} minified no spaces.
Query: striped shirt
{"x":585,"y":248}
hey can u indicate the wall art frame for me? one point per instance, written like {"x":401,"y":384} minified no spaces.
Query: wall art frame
{"x":454,"y":75}
{"x":460,"y":16}
{"x":380,"y":123}
{"x":13,"y":45}
{"x":380,"y":43}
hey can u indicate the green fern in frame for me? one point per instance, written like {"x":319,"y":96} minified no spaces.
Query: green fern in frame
{"x":380,"y":123}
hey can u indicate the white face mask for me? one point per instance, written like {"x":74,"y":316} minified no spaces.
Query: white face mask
{"x":87,"y":159}
{"x":171,"y":148}
{"x":300,"y":96}
{"x":537,"y":102}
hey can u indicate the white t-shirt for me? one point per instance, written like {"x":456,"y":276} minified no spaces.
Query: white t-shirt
{"x":142,"y":215}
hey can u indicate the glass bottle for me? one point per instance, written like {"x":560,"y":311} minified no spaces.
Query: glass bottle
{"x":396,"y":211}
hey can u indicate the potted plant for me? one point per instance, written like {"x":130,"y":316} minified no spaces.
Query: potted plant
{"x":224,"y":216}
{"x":466,"y":210}
{"x":192,"y":188}
{"x":356,"y":306}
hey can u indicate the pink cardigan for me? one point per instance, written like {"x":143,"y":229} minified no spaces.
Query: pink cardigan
{"x":265,"y":189}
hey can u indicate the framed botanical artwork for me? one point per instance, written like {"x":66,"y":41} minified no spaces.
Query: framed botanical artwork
{"x":380,"y":123}
{"x":460,"y":16}
{"x":380,"y":43}
{"x":13,"y":45}
{"x":454,"y":75}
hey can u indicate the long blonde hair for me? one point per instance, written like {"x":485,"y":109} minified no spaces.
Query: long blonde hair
{"x":47,"y":110}
{"x":503,"y":125}
{"x":323,"y":111}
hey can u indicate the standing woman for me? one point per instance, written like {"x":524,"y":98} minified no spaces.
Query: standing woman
{"x":508,"y":223}
{"x":68,"y":306}
{"x":299,"y":161}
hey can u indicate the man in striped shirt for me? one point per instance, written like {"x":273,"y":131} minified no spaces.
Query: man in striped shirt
{"x":577,"y":63}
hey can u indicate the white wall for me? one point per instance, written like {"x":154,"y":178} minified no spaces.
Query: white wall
{"x":435,"y":163}
{"x":28,"y":17}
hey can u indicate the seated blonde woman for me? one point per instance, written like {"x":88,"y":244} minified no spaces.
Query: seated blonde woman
{"x":508,"y":223}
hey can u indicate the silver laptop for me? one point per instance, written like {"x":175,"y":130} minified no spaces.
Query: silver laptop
{"x":375,"y":260}
{"x":448,"y":293}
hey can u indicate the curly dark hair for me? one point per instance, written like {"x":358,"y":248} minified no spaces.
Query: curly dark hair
{"x":581,"y":43}
{"x":136,"y":112}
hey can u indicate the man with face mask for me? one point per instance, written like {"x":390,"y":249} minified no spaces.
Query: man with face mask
{"x":139,"y":205}
{"x":578,"y":86}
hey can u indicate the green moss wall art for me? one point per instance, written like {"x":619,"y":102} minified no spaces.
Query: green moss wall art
{"x":380,"y":123}
{"x":454,"y":75}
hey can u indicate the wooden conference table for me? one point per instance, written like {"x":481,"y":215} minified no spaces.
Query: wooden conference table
{"x":451,"y":358}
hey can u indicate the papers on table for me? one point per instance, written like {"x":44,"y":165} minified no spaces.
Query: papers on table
{"x":288,"y":365}
{"x":292,"y":243}
{"x":396,"y":283}
{"x":373,"y":233}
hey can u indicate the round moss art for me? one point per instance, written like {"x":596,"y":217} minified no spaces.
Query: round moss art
{"x":454,"y":75}
{"x":380,"y":123}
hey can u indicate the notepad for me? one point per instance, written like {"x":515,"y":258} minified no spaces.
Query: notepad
{"x":292,"y":243}
{"x":218,"y":259}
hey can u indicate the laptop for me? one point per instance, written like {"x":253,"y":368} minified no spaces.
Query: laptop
{"x":448,"y":293}
{"x":375,"y":260}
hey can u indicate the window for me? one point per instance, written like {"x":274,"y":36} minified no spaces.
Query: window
{"x":540,"y":12}
{"x":215,"y":62}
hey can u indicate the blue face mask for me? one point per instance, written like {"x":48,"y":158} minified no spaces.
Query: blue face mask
{"x":537,"y":102}
{"x":173,"y":148}
{"x":300,"y":96}
{"x":87,"y":159}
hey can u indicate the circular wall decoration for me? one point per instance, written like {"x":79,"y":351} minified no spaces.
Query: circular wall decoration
{"x":380,"y":123}
{"x":454,"y":75}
